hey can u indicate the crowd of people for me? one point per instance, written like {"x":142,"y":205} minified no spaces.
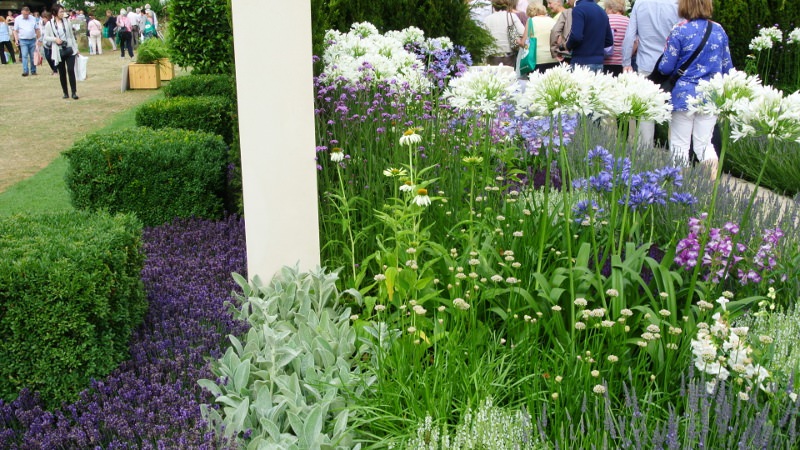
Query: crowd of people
{"x":52,"y":37}
{"x":674,"y":37}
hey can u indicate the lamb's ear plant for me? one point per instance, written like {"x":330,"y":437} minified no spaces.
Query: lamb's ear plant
{"x":285,"y":384}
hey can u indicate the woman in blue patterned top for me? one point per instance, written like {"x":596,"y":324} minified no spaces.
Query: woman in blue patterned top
{"x":715,"y":57}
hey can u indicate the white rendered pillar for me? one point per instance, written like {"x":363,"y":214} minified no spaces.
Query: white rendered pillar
{"x":274,"y":78}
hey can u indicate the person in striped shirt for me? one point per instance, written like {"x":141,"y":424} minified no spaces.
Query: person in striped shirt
{"x":619,"y":25}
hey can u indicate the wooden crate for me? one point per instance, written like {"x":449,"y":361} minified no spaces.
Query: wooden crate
{"x":167,"y":69}
{"x":144,"y":76}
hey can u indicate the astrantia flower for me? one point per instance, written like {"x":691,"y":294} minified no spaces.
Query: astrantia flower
{"x":394,"y":173}
{"x":422,"y":198}
{"x":459,"y":303}
{"x":482,"y":90}
{"x":599,"y":389}
{"x":337,"y":155}
{"x":410,"y":137}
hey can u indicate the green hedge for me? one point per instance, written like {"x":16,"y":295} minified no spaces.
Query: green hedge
{"x":157,"y":174}
{"x":201,"y":85}
{"x":201,"y":35}
{"x":70,"y":296}
{"x":210,"y":114}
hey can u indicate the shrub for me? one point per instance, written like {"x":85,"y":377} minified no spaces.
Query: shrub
{"x":157,"y":174}
{"x":70,"y":296}
{"x":782,"y":173}
{"x":150,"y":51}
{"x":209,"y":114}
{"x":201,"y":35}
{"x":201,"y":85}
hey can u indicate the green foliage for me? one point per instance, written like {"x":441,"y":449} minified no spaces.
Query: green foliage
{"x":150,"y":51}
{"x":436,"y":18}
{"x":287,"y":379}
{"x":70,"y":296}
{"x":157,"y":174}
{"x":201,"y":85}
{"x":201,"y":35}
{"x":782,"y":173}
{"x":208,"y":114}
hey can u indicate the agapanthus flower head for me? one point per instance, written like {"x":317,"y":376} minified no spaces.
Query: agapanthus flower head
{"x":337,"y":155}
{"x":794,"y":36}
{"x":641,"y":99}
{"x":422,"y":198}
{"x":760,"y":43}
{"x":769,"y":114}
{"x":482,"y":89}
{"x":773,"y":33}
{"x":725,"y":95}
{"x":554,"y":92}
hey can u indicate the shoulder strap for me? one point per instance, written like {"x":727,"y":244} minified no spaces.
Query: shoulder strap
{"x":530,"y":28}
{"x":697,"y":51}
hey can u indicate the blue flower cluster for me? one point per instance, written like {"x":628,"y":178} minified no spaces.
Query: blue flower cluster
{"x":536,"y":133}
{"x":639,"y":190}
{"x":442,"y":64}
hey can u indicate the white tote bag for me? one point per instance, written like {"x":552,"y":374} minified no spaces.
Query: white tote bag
{"x":80,"y":67}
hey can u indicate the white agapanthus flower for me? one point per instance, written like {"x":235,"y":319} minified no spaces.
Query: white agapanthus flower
{"x":641,"y":99}
{"x":724,"y":95}
{"x":794,"y":37}
{"x":482,"y":89}
{"x":773,"y":33}
{"x":760,"y":43}
{"x":567,"y":90}
{"x":365,"y":55}
{"x":769,"y":114}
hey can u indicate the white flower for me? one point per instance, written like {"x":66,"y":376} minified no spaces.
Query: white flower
{"x":580,"y":301}
{"x":408,"y":186}
{"x":626,"y":312}
{"x":555,"y":308}
{"x":459,"y":303}
{"x":580,"y":326}
{"x":640,"y":98}
{"x":794,"y":36}
{"x":410,"y":137}
{"x":497,"y":278}
{"x":770,"y":114}
{"x":554,"y":92}
{"x":612,"y":293}
{"x":412,"y":330}
{"x":760,"y":43}
{"x":773,"y":33}
{"x":722,"y":302}
{"x":422,"y":198}
{"x":337,"y":155}
{"x":607,"y":323}
{"x":664,"y":313}
{"x":724,"y":95}
{"x":380,"y":308}
{"x":481,"y":90}
{"x":394,"y":173}
{"x":612,"y":358}
{"x":419,"y":310}
{"x":599,"y":389}
{"x":595,"y":373}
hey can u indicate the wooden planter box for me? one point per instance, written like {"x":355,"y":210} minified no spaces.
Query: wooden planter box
{"x":144,"y":76}
{"x":167,"y":70}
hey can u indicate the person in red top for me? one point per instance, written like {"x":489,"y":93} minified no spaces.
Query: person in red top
{"x":619,"y":25}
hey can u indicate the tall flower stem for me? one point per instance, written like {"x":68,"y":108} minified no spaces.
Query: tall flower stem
{"x":345,"y":211}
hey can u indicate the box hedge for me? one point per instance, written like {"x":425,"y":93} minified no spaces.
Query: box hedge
{"x":70,"y":296}
{"x":201,"y":85}
{"x":157,"y":174}
{"x":212,"y":114}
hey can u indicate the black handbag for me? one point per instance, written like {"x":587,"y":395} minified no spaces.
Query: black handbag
{"x":64,"y":50}
{"x":667,"y":82}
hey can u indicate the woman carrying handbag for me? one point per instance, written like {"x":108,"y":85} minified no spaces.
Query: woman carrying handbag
{"x":63,"y":48}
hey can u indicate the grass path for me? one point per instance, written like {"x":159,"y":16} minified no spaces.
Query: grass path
{"x":36,"y":124}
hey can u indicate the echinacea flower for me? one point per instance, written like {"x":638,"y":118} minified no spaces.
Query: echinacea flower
{"x":410,"y":137}
{"x":422,"y":198}
{"x":395,"y":173}
{"x":337,"y":155}
{"x":407,"y":186}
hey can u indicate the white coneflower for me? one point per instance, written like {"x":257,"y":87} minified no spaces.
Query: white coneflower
{"x":407,"y":186}
{"x":410,"y":137}
{"x":337,"y":155}
{"x":395,"y":173}
{"x":422,"y":198}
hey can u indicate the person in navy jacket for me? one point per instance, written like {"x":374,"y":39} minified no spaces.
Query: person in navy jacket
{"x":591,"y":33}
